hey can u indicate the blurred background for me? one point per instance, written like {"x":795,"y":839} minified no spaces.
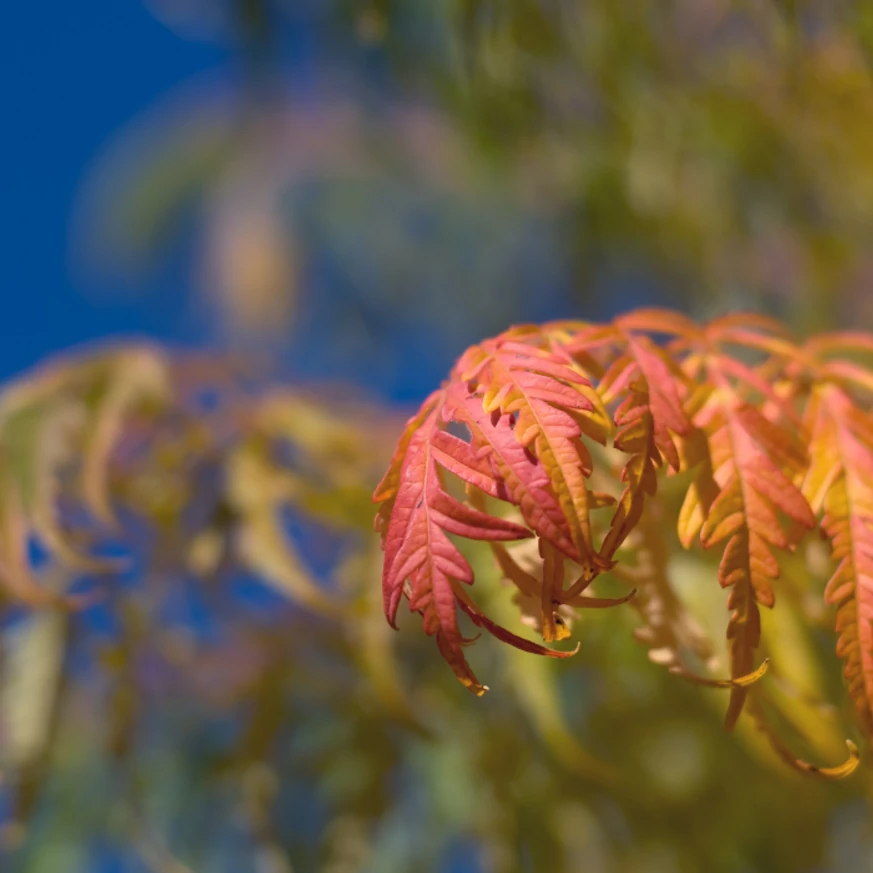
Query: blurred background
{"x":275,"y":224}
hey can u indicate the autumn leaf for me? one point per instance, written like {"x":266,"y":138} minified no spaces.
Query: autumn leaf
{"x":839,"y":482}
{"x":718,"y":405}
{"x":418,"y":549}
{"x":516,"y":474}
{"x":745,"y":516}
{"x":547,"y":403}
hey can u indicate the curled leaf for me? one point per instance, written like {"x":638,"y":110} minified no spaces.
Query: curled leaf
{"x":504,"y":635}
{"x":840,"y":771}
{"x":733,"y":682}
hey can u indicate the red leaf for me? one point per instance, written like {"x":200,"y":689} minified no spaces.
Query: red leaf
{"x":502,"y":634}
{"x":542,"y":393}
{"x":418,"y":550}
{"x":522,"y":479}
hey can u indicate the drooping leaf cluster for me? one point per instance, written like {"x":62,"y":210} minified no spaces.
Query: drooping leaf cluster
{"x":568,"y":434}
{"x":207,"y":484}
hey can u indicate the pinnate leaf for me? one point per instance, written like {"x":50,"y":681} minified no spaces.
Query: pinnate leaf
{"x":840,"y":481}
{"x":418,"y":551}
{"x":764,"y":435}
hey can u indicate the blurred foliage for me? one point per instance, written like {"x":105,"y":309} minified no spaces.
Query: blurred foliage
{"x":712,"y":152}
{"x":209,"y":684}
{"x":323,"y":218}
{"x":720,"y":144}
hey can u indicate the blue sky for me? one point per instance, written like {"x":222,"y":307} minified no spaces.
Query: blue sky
{"x":73,"y":74}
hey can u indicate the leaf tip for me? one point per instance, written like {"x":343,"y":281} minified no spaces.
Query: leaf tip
{"x":751,"y":678}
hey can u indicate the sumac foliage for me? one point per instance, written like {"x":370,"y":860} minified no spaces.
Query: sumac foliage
{"x":596,"y":441}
